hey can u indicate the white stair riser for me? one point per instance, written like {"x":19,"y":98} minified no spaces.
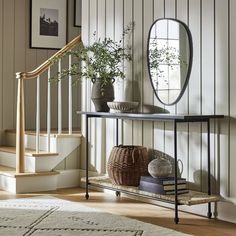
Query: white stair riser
{"x":8,"y":159}
{"x":32,"y":164}
{"x":8,"y":183}
{"x":30,"y":141}
{"x":55,"y":142}
{"x":64,"y":146}
{"x":36,"y":184}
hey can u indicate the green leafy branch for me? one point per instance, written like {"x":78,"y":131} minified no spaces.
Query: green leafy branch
{"x":102,"y":59}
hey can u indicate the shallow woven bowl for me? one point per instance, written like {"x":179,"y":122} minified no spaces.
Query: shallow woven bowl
{"x":123,"y":107}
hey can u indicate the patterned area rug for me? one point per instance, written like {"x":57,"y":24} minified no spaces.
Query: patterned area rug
{"x":49,"y":216}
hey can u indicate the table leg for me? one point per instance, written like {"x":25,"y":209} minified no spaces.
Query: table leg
{"x":176,"y":168}
{"x":117,"y":143}
{"x":209,"y":214}
{"x":117,"y":132}
{"x":87,"y":154}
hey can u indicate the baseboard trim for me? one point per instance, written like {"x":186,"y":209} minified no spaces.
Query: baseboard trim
{"x":68,"y":178}
{"x":226,"y":211}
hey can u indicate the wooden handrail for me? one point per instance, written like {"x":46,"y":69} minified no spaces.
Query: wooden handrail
{"x":20,"y":121}
{"x":49,"y":62}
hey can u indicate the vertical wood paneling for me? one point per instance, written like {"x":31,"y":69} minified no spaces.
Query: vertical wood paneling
{"x":208,"y":57}
{"x":20,"y":45}
{"x":30,"y":86}
{"x":128,"y":125}
{"x":194,"y":164}
{"x":1,"y":70}
{"x":119,"y":83}
{"x":221,"y":88}
{"x":100,"y":123}
{"x":182,"y":105}
{"x":92,"y":30}
{"x":137,"y":68}
{"x":159,"y":127}
{"x":85,"y":32}
{"x":76,"y":90}
{"x":110,"y":123}
{"x":232,"y":98}
{"x":208,"y":79}
{"x":119,"y":24}
{"x":147,"y":91}
{"x":8,"y":63}
{"x":84,"y":96}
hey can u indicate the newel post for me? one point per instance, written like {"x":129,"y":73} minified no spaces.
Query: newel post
{"x":20,"y":127}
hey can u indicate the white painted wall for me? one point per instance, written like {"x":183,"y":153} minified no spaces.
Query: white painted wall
{"x":211,"y":88}
{"x":16,"y":56}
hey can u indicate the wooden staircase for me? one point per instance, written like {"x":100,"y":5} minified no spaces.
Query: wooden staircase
{"x":39,"y":172}
{"x":29,"y":158}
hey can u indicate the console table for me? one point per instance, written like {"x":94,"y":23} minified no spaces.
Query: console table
{"x":176,"y":118}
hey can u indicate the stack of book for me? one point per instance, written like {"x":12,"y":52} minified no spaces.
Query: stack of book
{"x":162,"y":185}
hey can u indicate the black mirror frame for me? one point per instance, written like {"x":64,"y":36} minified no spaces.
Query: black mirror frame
{"x":190,"y":60}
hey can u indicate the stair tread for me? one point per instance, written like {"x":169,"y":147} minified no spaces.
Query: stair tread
{"x":28,"y":152}
{"x":8,"y":171}
{"x":54,"y":133}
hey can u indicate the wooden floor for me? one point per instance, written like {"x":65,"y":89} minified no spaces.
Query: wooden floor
{"x":191,"y":224}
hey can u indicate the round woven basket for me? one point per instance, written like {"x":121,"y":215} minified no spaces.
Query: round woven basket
{"x":127,"y":164}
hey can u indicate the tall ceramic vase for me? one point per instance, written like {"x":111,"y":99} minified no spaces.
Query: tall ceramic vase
{"x":100,"y":96}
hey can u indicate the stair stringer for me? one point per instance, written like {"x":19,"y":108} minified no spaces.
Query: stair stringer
{"x":64,"y":146}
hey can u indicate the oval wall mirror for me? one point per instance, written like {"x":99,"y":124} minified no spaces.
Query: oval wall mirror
{"x":169,"y":55}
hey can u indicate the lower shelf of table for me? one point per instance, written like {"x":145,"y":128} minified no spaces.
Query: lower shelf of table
{"x":191,"y":198}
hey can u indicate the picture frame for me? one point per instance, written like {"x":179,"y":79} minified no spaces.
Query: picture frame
{"x":77,"y":13}
{"x":48,"y":24}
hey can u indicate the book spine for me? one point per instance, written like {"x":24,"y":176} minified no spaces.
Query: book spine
{"x":181,"y":191}
{"x":172,"y":187}
{"x":170,"y":182}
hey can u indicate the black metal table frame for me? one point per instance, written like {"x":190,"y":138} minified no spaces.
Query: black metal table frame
{"x":184,"y":119}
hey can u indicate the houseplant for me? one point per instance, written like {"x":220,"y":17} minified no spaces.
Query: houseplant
{"x":101,"y":62}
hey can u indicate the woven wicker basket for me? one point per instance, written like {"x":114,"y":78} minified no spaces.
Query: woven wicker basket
{"x":126,"y":164}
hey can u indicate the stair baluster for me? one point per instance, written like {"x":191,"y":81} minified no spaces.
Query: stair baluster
{"x":38,"y":115}
{"x":49,"y":110}
{"x":59,"y":101}
{"x":70,"y":100}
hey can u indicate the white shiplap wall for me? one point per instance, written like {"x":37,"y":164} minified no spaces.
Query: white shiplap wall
{"x":211,"y":88}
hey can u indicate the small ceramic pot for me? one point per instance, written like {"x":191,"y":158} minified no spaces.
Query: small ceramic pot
{"x":160,"y":167}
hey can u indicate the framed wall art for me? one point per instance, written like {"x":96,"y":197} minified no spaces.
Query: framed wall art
{"x":77,"y":13}
{"x":48,"y":24}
